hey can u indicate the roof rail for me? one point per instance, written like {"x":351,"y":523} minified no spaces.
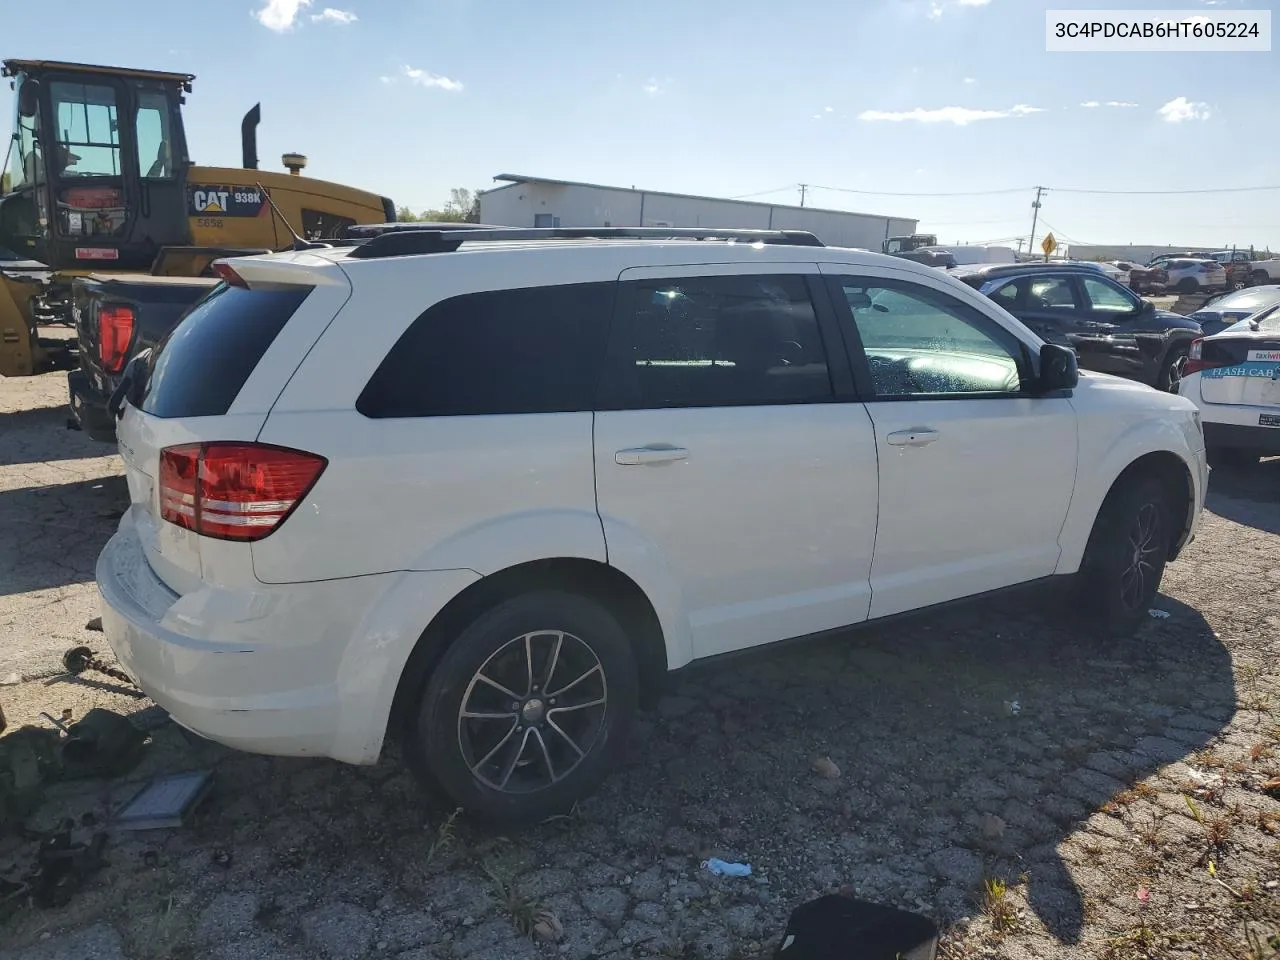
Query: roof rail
{"x":367,"y":231}
{"x":401,"y":243}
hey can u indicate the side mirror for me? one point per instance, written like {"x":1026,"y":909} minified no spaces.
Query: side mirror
{"x":28,"y":98}
{"x":1058,"y":369}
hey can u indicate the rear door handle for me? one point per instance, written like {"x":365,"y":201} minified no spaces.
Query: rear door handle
{"x":920,"y":437}
{"x":636,"y":456}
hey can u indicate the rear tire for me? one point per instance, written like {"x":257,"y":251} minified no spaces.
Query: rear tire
{"x":547,"y":733}
{"x":1188,"y":285}
{"x":1259,"y":277}
{"x":1127,"y":553}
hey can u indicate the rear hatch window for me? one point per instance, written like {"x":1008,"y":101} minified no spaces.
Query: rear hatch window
{"x":204,"y":362}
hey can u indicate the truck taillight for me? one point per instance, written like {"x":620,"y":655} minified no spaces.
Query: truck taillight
{"x":1195,"y":361}
{"x":115,"y":331}
{"x":234,"y":491}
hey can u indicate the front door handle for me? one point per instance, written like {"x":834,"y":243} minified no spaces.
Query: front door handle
{"x":636,"y":456}
{"x":917,"y":437}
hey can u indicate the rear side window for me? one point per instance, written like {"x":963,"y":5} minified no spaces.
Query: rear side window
{"x":203,"y":363}
{"x":527,"y":350}
{"x":716,"y":342}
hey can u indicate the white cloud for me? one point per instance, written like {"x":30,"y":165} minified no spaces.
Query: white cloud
{"x":970,"y":80}
{"x":828,"y":109}
{"x":1090,"y":104}
{"x":279,"y":15}
{"x":939,"y":7}
{"x":424,"y":78}
{"x":960,"y":116}
{"x":330,"y":15}
{"x":652,"y":86}
{"x":386,"y":79}
{"x":1121,"y":103}
{"x":1180,"y":109}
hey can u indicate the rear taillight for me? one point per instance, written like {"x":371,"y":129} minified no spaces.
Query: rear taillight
{"x":115,"y":330}
{"x":1195,"y":360}
{"x":234,"y":491}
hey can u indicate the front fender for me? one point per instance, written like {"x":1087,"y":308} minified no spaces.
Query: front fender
{"x":1107,"y":463}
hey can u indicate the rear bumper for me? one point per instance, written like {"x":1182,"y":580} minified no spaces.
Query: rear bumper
{"x":294,"y":670}
{"x":1265,"y":441}
{"x":89,"y":408}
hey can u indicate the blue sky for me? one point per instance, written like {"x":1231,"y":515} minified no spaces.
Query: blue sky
{"x":721,"y":97}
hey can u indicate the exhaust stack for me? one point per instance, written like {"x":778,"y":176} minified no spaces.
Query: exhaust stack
{"x":249,"y":137}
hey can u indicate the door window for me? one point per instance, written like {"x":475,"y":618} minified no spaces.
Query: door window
{"x":922,"y":342}
{"x":716,"y":342}
{"x":1050,"y":293}
{"x":155,"y":138}
{"x":88,"y":132}
{"x":1105,"y":298}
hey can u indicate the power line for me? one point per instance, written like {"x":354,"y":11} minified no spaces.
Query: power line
{"x":762,"y":193}
{"x":885,"y":193}
{"x":1164,"y":193}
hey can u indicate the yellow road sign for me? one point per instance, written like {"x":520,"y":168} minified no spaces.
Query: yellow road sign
{"x":1048,"y":244}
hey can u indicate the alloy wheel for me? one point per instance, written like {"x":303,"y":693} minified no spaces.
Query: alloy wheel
{"x":1144,"y":542}
{"x":532,"y":712}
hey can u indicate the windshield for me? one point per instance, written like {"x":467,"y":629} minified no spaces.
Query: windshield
{"x":1248,"y":299}
{"x":1268,"y":321}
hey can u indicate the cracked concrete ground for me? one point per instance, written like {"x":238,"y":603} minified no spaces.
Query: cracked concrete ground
{"x":1039,"y":792}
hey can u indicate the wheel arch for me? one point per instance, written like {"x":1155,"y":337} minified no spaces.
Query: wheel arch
{"x":1173,"y":473}
{"x":616,"y":591}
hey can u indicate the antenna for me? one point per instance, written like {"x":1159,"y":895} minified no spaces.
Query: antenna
{"x":298,"y":242}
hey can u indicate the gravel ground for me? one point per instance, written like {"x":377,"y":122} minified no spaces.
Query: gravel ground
{"x":1040,"y":792}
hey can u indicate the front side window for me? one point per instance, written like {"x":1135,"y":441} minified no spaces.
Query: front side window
{"x":716,"y":342}
{"x":25,"y":168}
{"x":87,"y":131}
{"x":155,"y":135}
{"x":527,"y":350}
{"x":1105,"y":298}
{"x":921,"y":342}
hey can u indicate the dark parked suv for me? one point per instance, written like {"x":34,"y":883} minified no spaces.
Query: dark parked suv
{"x":1112,"y":329}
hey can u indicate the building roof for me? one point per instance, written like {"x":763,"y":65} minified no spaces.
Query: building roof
{"x":512,"y":179}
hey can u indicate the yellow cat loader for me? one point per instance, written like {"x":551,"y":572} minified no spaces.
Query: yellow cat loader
{"x":100,"y":195}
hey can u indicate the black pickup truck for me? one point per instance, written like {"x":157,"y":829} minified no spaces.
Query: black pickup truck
{"x":117,"y":318}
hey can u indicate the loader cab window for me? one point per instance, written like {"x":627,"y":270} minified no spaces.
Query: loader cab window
{"x":87,"y":130}
{"x":24,"y":156}
{"x":155,"y":135}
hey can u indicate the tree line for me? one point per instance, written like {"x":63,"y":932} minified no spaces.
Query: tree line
{"x":463,"y":206}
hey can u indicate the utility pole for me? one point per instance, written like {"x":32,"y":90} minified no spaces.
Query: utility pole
{"x":1035,"y":215}
{"x":803,"y":188}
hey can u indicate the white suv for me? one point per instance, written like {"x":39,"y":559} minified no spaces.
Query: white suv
{"x":505,"y":485}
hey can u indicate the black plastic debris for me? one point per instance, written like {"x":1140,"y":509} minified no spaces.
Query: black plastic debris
{"x":839,"y":927}
{"x":103,"y":744}
{"x":62,"y":866}
{"x":94,"y":624}
{"x":79,"y":659}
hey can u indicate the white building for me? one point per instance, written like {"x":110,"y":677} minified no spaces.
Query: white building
{"x":539,"y":202}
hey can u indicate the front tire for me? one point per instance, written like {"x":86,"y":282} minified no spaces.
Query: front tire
{"x":1127,"y":553}
{"x":528,"y":708}
{"x":1170,"y":376}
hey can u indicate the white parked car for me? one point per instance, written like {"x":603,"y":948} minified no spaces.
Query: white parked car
{"x":1234,"y":378}
{"x":1194,"y":276}
{"x":487,"y":493}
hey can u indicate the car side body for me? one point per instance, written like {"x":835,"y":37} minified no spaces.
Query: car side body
{"x":622,"y":444}
{"x":1111,"y":329}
